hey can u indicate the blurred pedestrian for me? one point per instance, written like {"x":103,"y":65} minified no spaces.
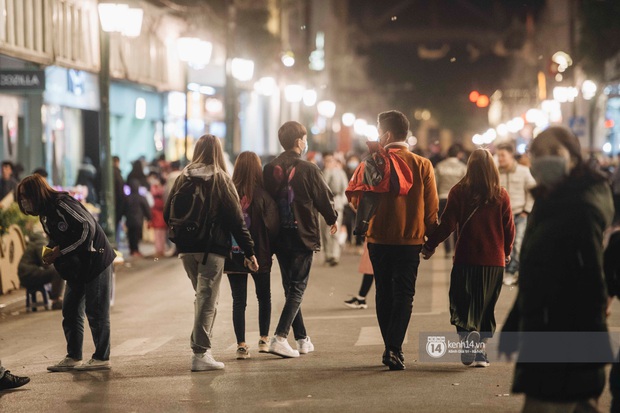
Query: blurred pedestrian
{"x":119,"y":194}
{"x":301,"y":194}
{"x":561,"y":283}
{"x":137,"y":174}
{"x":10,"y":381}
{"x":83,"y":256}
{"x":87,"y":175}
{"x":8,"y":183}
{"x":395,"y":236}
{"x":337,"y":181}
{"x":518,"y":181}
{"x":447,"y":174}
{"x":261,"y":218}
{"x":205,"y":272}
{"x":137,"y":211}
{"x":478,"y":209}
{"x":611,"y":265}
{"x":615,"y":184}
{"x":365,"y":267}
{"x":157,"y":222}
{"x":34,"y":274}
{"x":175,"y":171}
{"x":348,"y":215}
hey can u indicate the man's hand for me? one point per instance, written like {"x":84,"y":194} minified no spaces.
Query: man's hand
{"x":251,"y":263}
{"x":51,"y":256}
{"x":333,"y":229}
{"x":426,"y":253}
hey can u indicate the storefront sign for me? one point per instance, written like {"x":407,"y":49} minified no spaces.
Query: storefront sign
{"x":22,"y":80}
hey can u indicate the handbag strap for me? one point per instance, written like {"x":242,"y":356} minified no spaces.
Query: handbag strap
{"x":463,"y":226}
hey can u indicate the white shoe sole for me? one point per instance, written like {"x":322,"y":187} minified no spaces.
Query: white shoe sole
{"x":207,"y":368}
{"x":284,"y":355}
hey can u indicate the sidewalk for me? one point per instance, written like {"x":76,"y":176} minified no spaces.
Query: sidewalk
{"x":13,"y":303}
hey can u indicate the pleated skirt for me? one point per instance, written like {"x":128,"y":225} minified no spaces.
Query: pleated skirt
{"x":474,"y":291}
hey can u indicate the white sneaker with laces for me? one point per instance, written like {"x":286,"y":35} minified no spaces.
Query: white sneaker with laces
{"x":94,"y":364}
{"x":65,"y":364}
{"x":205,"y":362}
{"x":305,"y":346}
{"x":280,"y":346}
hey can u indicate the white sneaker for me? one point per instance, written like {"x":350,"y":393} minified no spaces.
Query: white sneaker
{"x":511,"y":279}
{"x":94,"y":364}
{"x":65,"y":364}
{"x":281,"y":347}
{"x":205,"y":362}
{"x":305,"y":346}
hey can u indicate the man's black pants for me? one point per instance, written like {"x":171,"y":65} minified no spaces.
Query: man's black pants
{"x":396,"y":271}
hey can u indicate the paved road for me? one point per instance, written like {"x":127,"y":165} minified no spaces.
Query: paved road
{"x":151,"y":324}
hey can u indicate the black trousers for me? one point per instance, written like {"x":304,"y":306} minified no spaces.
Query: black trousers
{"x":239,"y":289}
{"x":396,"y":271}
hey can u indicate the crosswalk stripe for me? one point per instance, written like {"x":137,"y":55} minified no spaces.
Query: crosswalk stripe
{"x":139,"y":346}
{"x":371,"y":336}
{"x":26,"y":353}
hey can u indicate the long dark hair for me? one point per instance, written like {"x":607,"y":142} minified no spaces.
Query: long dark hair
{"x":481,"y":181}
{"x":35,"y":189}
{"x":209,"y":152}
{"x":248,"y":174}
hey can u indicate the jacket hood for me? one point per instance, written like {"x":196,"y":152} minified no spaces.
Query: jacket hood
{"x":200,"y":170}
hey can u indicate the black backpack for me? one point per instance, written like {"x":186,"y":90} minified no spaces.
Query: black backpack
{"x":189,"y":221}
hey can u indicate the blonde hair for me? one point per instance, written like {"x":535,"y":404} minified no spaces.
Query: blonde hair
{"x":208,"y":151}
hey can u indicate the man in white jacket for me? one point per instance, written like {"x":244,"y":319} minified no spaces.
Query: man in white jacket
{"x":517,"y":180}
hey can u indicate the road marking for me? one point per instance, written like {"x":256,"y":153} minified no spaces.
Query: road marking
{"x":344,"y":317}
{"x":139,"y":346}
{"x":26,"y":353}
{"x":371,"y":336}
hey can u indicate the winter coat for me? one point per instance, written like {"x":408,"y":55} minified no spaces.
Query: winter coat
{"x":447,"y":174}
{"x":225,"y":211}
{"x":31,"y":269}
{"x":136,"y":210}
{"x":561,"y":286}
{"x":157,"y":210}
{"x":264,"y":227}
{"x":311,"y":197}
{"x":84,"y":247}
{"x":518,"y":181}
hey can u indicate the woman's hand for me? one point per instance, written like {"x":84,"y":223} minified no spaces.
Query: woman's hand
{"x":251,"y":263}
{"x":426,"y":253}
{"x":51,"y":256}
{"x":507,"y":259}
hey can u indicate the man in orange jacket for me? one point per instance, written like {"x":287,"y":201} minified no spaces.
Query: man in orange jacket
{"x":395,"y":236}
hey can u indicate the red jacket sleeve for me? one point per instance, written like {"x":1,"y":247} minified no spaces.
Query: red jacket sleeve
{"x":508,"y":222}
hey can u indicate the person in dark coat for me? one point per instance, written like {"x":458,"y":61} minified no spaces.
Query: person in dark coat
{"x":561,"y":283}
{"x":137,"y":173}
{"x":119,"y":191}
{"x":261,"y":216}
{"x":33,"y":273}
{"x":8,"y":183}
{"x":137,"y":210}
{"x":87,"y":176}
{"x":611,"y":263}
{"x":83,"y":256}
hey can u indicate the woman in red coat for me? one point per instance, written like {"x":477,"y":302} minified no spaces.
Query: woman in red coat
{"x":157,"y":215}
{"x":478,"y":209}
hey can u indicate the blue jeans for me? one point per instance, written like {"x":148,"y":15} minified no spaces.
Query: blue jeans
{"x":92,"y":299}
{"x":295,"y":269}
{"x":206,"y":280}
{"x":520,"y":224}
{"x":396,"y":271}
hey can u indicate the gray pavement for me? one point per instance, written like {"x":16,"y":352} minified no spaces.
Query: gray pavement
{"x":151,"y":324}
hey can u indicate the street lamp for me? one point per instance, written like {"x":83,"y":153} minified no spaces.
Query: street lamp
{"x":113,"y":17}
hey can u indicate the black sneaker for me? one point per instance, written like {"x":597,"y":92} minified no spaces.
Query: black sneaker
{"x":468,"y":355}
{"x":9,"y":381}
{"x":356,"y":303}
{"x":385,"y":358}
{"x":481,"y":360}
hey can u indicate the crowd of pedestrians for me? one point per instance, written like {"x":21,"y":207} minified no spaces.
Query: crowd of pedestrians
{"x":500,"y":223}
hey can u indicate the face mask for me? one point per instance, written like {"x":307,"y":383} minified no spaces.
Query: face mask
{"x":305,"y":149}
{"x":549,"y":171}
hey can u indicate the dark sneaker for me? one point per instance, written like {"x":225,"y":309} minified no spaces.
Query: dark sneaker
{"x":481,"y":360}
{"x":469,"y":352}
{"x":394,"y":362}
{"x":385,"y":358}
{"x":10,"y":381}
{"x":356,"y":303}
